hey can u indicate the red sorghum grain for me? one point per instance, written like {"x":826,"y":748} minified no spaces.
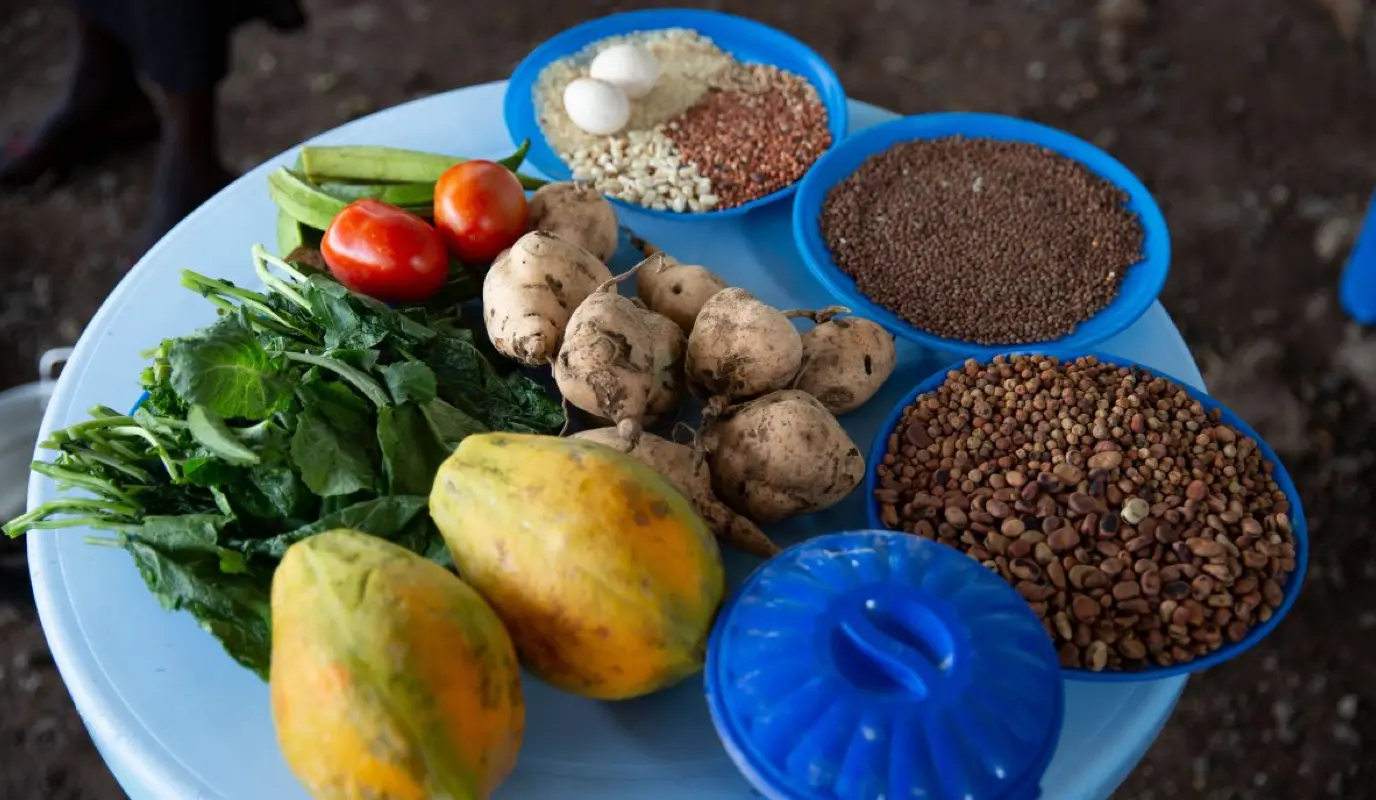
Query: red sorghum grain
{"x":754,"y":139}
{"x":981,"y":240}
{"x":1140,"y":528}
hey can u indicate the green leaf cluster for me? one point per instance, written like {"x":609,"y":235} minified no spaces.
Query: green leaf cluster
{"x":303,"y":408}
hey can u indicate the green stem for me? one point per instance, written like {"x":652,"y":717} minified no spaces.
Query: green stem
{"x":86,"y":454}
{"x":514,"y":161}
{"x":211,"y":288}
{"x":261,"y":259}
{"x":358,"y":378}
{"x":90,"y":483}
{"x":173,"y":473}
{"x":38,"y":519}
{"x":117,"y":449}
{"x":81,"y":430}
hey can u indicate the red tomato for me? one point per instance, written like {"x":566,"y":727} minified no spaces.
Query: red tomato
{"x":384,"y":252}
{"x":480,"y":210}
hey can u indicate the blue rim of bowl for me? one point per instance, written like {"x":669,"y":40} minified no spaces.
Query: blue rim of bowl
{"x":1125,"y":309}
{"x":1294,"y":583}
{"x":519,"y":115}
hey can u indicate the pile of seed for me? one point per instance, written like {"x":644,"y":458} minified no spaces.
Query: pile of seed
{"x":1140,"y":528}
{"x":981,"y":240}
{"x":754,"y":140}
{"x":713,"y":133}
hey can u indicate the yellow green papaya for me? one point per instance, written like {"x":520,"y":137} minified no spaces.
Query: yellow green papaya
{"x":390,"y":678}
{"x":605,"y":575}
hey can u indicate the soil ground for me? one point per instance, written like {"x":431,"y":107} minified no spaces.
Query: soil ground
{"x":1250,"y":120}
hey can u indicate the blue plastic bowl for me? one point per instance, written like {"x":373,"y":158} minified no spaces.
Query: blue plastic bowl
{"x":1293,"y":584}
{"x":1140,"y":285}
{"x":747,"y":40}
{"x":1357,"y":289}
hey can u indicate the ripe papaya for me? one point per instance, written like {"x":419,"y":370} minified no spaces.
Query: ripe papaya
{"x":605,"y":576}
{"x":390,"y":678}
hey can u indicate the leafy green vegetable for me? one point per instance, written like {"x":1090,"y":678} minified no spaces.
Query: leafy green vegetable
{"x":215,"y":436}
{"x":409,"y":380}
{"x":449,"y":424}
{"x":384,"y":517}
{"x":233,"y":606}
{"x":331,"y":462}
{"x":411,"y":453}
{"x":303,"y":409}
{"x":228,"y":372}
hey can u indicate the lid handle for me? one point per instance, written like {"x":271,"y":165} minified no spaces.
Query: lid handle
{"x":893,"y":645}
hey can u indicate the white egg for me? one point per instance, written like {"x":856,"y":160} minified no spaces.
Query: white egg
{"x":631,"y":67}
{"x":598,"y":108}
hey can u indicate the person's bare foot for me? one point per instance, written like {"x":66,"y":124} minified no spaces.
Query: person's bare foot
{"x":103,"y":108}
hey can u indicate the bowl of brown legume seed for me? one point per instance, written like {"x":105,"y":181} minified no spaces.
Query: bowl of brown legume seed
{"x":972,"y":233}
{"x":737,"y":114}
{"x":1152,"y":530}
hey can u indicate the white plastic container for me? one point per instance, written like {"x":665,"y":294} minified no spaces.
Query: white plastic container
{"x":21,"y":414}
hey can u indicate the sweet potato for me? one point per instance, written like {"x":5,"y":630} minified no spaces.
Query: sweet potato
{"x":678,"y":291}
{"x":578,"y":214}
{"x":667,"y":345}
{"x":693,"y":478}
{"x":531,"y":291}
{"x":741,"y":348}
{"x":845,"y":361}
{"x":606,"y":364}
{"x":782,"y":455}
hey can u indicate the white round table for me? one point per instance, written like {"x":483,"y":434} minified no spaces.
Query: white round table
{"x":176,"y":719}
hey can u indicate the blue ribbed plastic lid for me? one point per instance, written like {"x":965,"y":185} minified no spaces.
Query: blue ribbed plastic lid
{"x":876,"y":666}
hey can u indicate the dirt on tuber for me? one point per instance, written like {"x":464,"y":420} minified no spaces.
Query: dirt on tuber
{"x":578,"y":214}
{"x":606,"y":364}
{"x":678,"y":291}
{"x":741,"y":348}
{"x":531,"y":291}
{"x":782,"y":455}
{"x":846,"y":360}
{"x":668,"y":345}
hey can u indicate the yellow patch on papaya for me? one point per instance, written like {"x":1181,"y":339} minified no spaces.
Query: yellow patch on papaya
{"x":390,"y":677}
{"x":604,"y":574}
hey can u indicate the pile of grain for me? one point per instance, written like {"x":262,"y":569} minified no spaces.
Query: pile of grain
{"x":712,"y":133}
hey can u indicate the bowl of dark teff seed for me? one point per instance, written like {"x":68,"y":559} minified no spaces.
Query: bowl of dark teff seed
{"x":973,"y":233}
{"x":1153,"y":531}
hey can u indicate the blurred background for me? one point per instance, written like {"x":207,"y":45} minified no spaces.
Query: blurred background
{"x":1251,"y":120}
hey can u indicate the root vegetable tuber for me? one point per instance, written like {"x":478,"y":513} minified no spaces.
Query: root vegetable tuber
{"x":741,"y":348}
{"x":606,"y":363}
{"x":782,"y":455}
{"x":678,"y":291}
{"x":667,"y":346}
{"x":531,"y":291}
{"x":845,"y":362}
{"x":678,"y":465}
{"x":578,"y":214}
